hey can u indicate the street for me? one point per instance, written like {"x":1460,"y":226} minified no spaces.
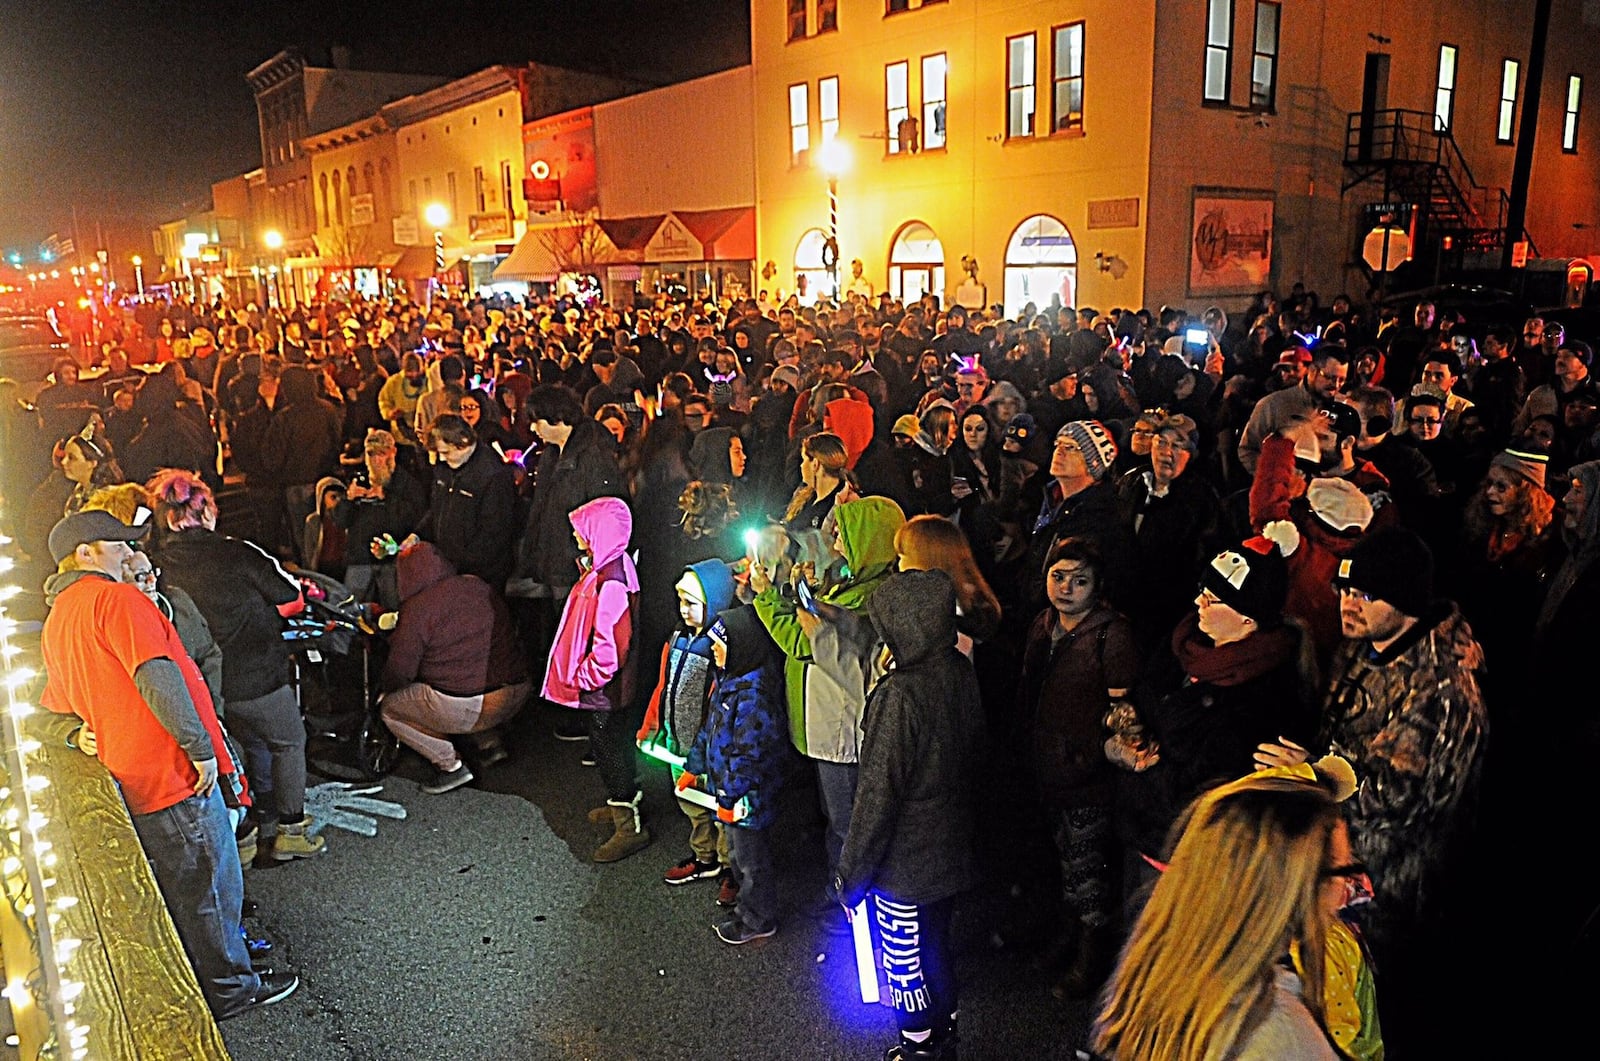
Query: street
{"x":478,"y":928}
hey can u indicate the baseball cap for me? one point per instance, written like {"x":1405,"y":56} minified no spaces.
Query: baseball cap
{"x":1294,"y":355}
{"x":94,"y":525}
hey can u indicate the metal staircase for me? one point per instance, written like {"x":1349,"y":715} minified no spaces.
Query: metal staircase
{"x":1421,"y":164}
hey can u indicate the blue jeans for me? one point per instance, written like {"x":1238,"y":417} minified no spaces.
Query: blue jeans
{"x":758,"y":882}
{"x":196,"y":863}
{"x":274,"y":739}
{"x":837,"y":784}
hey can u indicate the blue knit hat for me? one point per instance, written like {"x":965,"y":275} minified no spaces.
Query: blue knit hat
{"x":1095,"y":442}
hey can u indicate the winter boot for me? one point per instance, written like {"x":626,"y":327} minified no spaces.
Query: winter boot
{"x":294,"y":842}
{"x":601,"y":815}
{"x":630,"y":834}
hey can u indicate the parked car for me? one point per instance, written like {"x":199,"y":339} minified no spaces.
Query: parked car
{"x":29,"y":348}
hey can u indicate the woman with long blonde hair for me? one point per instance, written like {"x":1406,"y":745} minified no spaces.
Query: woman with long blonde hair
{"x":822,"y":473}
{"x":1206,"y":974}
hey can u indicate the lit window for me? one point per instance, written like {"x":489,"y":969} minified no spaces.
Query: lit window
{"x":1067,"y":78}
{"x":1508,"y":102}
{"x":1019,"y":85}
{"x":827,"y":16}
{"x":799,"y":124}
{"x":897,"y":105}
{"x":478,"y":188}
{"x":1569,"y":126}
{"x":934,"y":68}
{"x":828,"y":107}
{"x":797,"y":20}
{"x":1219,"y":50}
{"x":1264,"y":61}
{"x":1444,"y":99}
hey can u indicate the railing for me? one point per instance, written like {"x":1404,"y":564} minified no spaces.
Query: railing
{"x":1388,"y":137}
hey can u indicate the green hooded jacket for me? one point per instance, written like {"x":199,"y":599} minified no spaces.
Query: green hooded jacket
{"x":825,"y":717}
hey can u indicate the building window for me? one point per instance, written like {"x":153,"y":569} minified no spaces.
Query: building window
{"x":350,"y":190}
{"x":411,"y":191}
{"x":934,"y":68}
{"x":799,"y":125}
{"x":897,"y":107}
{"x":827,"y":16}
{"x":478,"y":190}
{"x":386,"y":203}
{"x":506,"y":198}
{"x":828,"y":107}
{"x":322,"y":183}
{"x":897,"y":6}
{"x":1264,"y":61}
{"x":1067,"y":77}
{"x":1444,"y":98}
{"x":797,"y":20}
{"x":338,"y":199}
{"x":1019,"y":85}
{"x":1569,"y":125}
{"x":450,"y":193}
{"x":1219,"y":50}
{"x":427,"y":189}
{"x":1503,"y":129}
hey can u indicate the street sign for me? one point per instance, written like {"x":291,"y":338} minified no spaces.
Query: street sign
{"x":1519,"y":254}
{"x":1385,"y":248}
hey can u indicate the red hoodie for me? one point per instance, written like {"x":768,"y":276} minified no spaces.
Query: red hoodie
{"x":852,"y":421}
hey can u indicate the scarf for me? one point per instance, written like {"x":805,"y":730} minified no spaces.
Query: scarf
{"x":1231,"y":664}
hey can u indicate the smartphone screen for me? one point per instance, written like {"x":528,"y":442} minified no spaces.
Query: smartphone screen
{"x":802,"y":592}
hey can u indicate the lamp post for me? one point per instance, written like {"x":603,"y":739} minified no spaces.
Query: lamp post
{"x":272,"y":239}
{"x":437,"y":215}
{"x":835,"y":160}
{"x":138,"y":275}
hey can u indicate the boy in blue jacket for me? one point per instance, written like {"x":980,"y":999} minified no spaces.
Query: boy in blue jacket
{"x":739,"y":757}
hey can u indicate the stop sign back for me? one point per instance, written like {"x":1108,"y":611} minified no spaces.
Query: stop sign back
{"x":1385,"y":248}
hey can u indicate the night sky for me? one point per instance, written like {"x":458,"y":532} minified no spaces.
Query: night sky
{"x":130,"y":109}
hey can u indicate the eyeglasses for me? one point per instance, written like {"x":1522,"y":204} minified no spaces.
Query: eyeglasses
{"x":147,"y":576}
{"x":1346,"y":590}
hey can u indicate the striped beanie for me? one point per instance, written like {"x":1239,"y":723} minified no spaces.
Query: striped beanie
{"x":1098,"y":447}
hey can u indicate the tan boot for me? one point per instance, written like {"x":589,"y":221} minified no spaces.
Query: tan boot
{"x":601,"y":815}
{"x":629,"y":836}
{"x":294,"y":842}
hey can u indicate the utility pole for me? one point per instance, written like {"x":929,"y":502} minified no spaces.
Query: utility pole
{"x":1527,"y":131}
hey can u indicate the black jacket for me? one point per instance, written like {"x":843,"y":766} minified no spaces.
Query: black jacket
{"x":304,"y":437}
{"x":238,"y":589}
{"x":402,"y":505}
{"x":911,"y":832}
{"x":471,"y":516}
{"x":565,"y":478}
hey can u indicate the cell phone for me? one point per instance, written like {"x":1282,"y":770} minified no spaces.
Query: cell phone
{"x":962,"y":479}
{"x":807,"y":599}
{"x":1197,"y":337}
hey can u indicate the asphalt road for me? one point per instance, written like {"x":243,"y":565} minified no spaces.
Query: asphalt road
{"x":477,"y":928}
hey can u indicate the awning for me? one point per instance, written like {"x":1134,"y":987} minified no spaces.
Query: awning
{"x":414,"y":263}
{"x":631,"y":233}
{"x":533,"y":259}
{"x":726,"y":235}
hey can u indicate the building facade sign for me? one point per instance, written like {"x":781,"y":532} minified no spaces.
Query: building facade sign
{"x":1114,"y":213}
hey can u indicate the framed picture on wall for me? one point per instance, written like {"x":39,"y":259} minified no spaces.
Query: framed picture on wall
{"x":1230,"y":241}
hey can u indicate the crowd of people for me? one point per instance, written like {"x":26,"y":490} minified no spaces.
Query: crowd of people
{"x":1214,"y":643}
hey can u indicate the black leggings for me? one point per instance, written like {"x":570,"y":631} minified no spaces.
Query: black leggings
{"x":611,"y":736}
{"x":916,"y":964}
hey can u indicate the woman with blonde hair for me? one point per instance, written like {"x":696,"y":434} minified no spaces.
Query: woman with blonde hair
{"x":1207,"y":972}
{"x":933,"y":543}
{"x":822,"y":473}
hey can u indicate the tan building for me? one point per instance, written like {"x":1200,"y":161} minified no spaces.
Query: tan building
{"x":459,"y":148}
{"x":1189,"y":151}
{"x":355,"y":180}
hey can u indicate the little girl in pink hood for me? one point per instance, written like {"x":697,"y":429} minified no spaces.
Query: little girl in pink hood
{"x":592,"y":667}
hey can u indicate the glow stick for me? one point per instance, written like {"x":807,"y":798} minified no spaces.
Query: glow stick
{"x":866,"y":965}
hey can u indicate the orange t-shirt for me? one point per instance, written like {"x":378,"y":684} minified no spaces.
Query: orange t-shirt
{"x":99,"y":632}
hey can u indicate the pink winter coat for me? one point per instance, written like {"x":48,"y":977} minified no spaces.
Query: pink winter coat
{"x":591,"y":666}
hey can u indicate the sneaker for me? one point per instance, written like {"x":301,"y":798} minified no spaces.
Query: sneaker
{"x":448,"y":780}
{"x":735,"y":932}
{"x":573,"y":730}
{"x":690,"y":870}
{"x":588,"y":758}
{"x":494,"y":753}
{"x":834,"y":923}
{"x":728,"y":889}
{"x":249,"y":845}
{"x":275,"y":987}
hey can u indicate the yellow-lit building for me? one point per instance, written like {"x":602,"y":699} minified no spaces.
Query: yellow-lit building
{"x":356,"y":200}
{"x":941,"y":159}
{"x":1181,"y":151}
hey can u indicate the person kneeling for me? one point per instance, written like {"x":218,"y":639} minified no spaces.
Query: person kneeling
{"x":454,"y":664}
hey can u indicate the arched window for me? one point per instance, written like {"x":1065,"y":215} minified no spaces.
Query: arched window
{"x":366,"y":178}
{"x":322,"y":183}
{"x":1041,"y":265}
{"x":338,"y":199}
{"x":812,"y":278}
{"x":916,"y":263}
{"x":349,"y":190}
{"x":385,"y":191}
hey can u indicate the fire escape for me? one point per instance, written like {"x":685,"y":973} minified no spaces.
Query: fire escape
{"x":1421,"y":164}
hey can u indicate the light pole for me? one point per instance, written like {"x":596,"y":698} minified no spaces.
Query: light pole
{"x":138,"y":275}
{"x":835,"y":160}
{"x":272,"y":239}
{"x":437,"y":215}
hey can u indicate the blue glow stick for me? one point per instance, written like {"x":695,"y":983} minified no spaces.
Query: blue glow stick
{"x":866,"y":963}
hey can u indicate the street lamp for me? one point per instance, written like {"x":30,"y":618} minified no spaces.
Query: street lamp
{"x":138,"y":273}
{"x":437,"y":215}
{"x":835,"y":160}
{"x":272,"y":239}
